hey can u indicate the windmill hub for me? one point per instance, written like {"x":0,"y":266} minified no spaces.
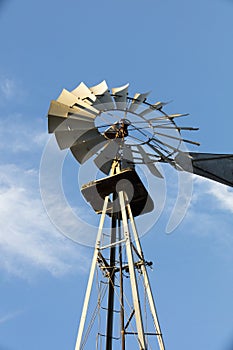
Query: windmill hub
{"x":125,"y":125}
{"x":118,"y":130}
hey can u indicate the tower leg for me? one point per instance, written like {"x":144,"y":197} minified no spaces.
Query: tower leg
{"x":133,"y":280}
{"x":91,"y":277}
{"x":146,"y":281}
{"x":111,"y":283}
{"x":121,"y":289}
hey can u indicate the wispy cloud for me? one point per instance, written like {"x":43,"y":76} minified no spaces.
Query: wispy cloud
{"x":17,"y":135}
{"x":27,"y":239}
{"x":11,"y":90}
{"x":8,"y":88}
{"x":221,"y":194}
{"x":9,"y":316}
{"x":210,"y":215}
{"x":29,"y":243}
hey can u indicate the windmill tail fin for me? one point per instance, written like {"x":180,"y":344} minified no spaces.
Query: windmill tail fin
{"x":217,"y":167}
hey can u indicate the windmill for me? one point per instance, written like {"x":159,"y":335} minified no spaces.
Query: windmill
{"x":119,"y":133}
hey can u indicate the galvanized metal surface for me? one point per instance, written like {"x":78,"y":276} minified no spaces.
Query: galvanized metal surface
{"x":217,"y":167}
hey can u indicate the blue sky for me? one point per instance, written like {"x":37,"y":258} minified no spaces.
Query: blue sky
{"x":181,"y":51}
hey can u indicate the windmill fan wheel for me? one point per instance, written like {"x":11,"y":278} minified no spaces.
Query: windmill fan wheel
{"x":107,"y":125}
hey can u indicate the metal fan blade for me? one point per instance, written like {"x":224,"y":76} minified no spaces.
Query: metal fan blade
{"x":178,"y":138}
{"x":71,"y":100}
{"x":101,"y":91}
{"x":63,"y":124}
{"x":83,"y":92}
{"x":58,"y":113}
{"x":58,"y":109}
{"x":67,"y":98}
{"x":54,"y":123}
{"x":168,"y":117}
{"x":138,"y":99}
{"x":62,"y":110}
{"x":217,"y":167}
{"x":189,"y":128}
{"x":67,"y":138}
{"x":159,"y":142}
{"x":104,"y":160}
{"x":120,"y":96}
{"x":155,"y":107}
{"x":87,"y":145}
{"x":149,"y":162}
{"x":83,"y":107}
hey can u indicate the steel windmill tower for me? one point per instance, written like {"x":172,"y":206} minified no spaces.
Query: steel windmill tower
{"x":120,"y":132}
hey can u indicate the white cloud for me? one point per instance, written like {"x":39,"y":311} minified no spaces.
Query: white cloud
{"x":17,"y":134}
{"x":8,"y":88}
{"x":210,"y":215}
{"x":11,"y":90}
{"x":223,"y":195}
{"x":28,"y":242}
